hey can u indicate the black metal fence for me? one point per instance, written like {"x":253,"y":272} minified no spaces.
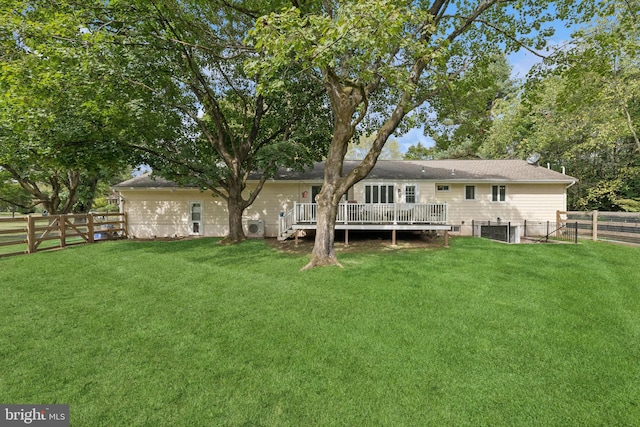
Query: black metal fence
{"x":563,"y":231}
{"x":618,"y":227}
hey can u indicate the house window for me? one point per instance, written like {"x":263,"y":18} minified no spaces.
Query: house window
{"x":442,"y":187}
{"x":378,"y":193}
{"x":469,"y":192}
{"x":195,"y":217}
{"x":498,"y":193}
{"x":410,"y":194}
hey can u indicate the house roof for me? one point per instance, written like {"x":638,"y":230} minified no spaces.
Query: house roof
{"x":431,"y":170}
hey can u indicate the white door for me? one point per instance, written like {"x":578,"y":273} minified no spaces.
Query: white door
{"x":195,"y":217}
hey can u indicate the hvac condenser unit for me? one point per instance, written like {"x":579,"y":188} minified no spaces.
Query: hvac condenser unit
{"x":255,"y":229}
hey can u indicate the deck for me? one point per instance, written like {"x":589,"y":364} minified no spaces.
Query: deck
{"x":368,"y":216}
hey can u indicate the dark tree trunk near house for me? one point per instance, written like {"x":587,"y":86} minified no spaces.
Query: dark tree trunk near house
{"x":323,"y":252}
{"x":236,"y":206}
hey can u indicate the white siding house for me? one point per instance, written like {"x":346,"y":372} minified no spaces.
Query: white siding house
{"x":410,"y":195}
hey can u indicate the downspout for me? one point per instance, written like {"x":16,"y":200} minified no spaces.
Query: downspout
{"x":565,"y":193}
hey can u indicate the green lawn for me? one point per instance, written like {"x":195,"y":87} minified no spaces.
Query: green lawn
{"x":191,"y":333}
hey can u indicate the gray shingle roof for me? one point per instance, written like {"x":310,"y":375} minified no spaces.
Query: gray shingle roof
{"x":432,"y":170}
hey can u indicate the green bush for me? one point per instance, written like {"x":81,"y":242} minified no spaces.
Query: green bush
{"x":628,"y":205}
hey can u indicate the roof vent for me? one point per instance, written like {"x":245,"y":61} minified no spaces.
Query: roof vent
{"x":453,"y":172}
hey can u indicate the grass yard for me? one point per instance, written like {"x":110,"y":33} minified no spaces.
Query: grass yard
{"x":191,"y":333}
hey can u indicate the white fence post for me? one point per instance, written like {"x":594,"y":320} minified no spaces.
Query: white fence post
{"x":295,"y":212}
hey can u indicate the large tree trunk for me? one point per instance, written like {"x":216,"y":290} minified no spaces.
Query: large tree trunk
{"x":335,"y":184}
{"x":236,"y":206}
{"x":334,"y":187}
{"x":323,"y":252}
{"x":236,"y":231}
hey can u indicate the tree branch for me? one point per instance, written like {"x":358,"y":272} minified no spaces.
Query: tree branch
{"x":482,"y":7}
{"x":254,"y":194}
{"x":211,"y":185}
{"x":16,"y":204}
{"x":511,"y":37}
{"x":254,"y":14}
{"x":204,"y":94}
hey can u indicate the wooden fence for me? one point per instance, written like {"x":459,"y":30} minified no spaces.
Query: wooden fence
{"x":623,"y":227}
{"x":32,"y":233}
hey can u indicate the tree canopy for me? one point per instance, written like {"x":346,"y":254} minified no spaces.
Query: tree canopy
{"x":580,"y":110}
{"x":94,"y":86}
{"x":463,"y":117}
{"x":228,"y":131}
{"x":66,"y":115}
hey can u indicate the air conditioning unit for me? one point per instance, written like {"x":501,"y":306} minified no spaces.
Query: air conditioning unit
{"x":255,"y":228}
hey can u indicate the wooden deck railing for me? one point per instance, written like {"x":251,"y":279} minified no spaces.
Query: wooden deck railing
{"x":368,"y":214}
{"x":377,"y":213}
{"x":32,"y":233}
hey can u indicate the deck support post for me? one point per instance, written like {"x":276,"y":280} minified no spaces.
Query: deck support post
{"x":346,"y":237}
{"x":446,"y":238}
{"x":393,"y":237}
{"x":296,"y":237}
